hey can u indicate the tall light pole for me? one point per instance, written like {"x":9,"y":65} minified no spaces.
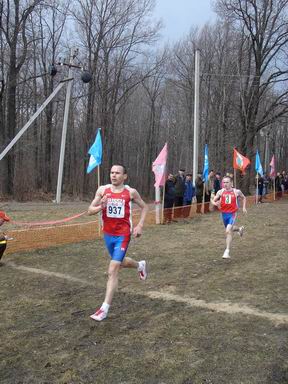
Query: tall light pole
{"x":196,"y":114}
{"x":86,"y":77}
{"x":266,"y":162}
{"x":64,"y":129}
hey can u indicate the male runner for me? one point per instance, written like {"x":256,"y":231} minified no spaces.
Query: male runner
{"x":114,"y":200}
{"x":227,"y":201}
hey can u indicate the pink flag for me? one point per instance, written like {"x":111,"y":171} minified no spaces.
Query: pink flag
{"x":159,"y":167}
{"x":272,"y":165}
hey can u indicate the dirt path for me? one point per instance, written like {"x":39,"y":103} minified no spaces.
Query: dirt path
{"x":227,"y":307}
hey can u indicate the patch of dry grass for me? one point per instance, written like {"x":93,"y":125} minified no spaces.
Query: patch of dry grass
{"x":48,"y":337}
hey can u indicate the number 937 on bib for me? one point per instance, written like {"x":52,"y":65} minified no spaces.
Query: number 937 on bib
{"x":115,"y":208}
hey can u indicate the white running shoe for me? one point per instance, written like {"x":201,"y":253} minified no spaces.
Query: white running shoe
{"x":143,"y":270}
{"x":99,"y":315}
{"x":241,"y":231}
{"x":226,"y":254}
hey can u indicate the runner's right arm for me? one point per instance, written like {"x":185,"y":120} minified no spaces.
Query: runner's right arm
{"x":98,"y":203}
{"x":216,"y":199}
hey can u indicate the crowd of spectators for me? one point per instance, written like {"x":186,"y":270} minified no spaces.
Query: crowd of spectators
{"x":180,"y":192}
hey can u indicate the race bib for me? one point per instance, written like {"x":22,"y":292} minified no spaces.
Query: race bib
{"x":115,"y":208}
{"x":228,"y":199}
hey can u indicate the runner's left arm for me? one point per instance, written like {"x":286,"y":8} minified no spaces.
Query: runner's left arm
{"x":137,"y":232}
{"x":243,"y":197}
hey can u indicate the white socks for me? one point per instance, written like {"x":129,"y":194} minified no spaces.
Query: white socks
{"x":140,"y":266}
{"x":105,"y":307}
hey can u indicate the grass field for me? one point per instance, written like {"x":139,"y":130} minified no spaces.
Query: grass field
{"x":198,"y":319}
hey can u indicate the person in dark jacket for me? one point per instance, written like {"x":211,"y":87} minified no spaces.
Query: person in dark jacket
{"x":217,"y":182}
{"x":169,"y":198}
{"x":199,"y":185}
{"x":260,"y":187}
{"x":189,"y":193}
{"x":209,"y":189}
{"x":3,"y":237}
{"x":278,"y":188}
{"x":179,"y":193}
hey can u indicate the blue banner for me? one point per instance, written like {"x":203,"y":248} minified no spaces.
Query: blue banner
{"x":206,"y":164}
{"x":258,"y":166}
{"x":95,"y":153}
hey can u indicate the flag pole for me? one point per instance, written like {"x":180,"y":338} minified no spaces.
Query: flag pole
{"x":203,"y":198}
{"x":163,"y":198}
{"x":234,"y":178}
{"x":257,"y":178}
{"x":159,"y":168}
{"x":157,"y":204}
{"x":99,"y":216}
{"x":274,"y":189}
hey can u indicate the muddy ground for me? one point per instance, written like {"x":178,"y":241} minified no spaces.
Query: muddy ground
{"x":198,"y":319}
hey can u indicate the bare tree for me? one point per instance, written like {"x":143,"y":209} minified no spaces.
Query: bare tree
{"x":13,"y":23}
{"x":115,"y":34}
{"x":263,"y":36}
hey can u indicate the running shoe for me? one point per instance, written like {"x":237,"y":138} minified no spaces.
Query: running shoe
{"x":99,"y":315}
{"x":142,"y":270}
{"x":226,"y":254}
{"x":241,"y":231}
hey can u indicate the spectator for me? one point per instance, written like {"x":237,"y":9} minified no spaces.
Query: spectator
{"x":266,"y":180}
{"x":260,"y":187}
{"x":282,"y":180}
{"x":179,"y":193}
{"x":199,"y":185}
{"x":3,"y":237}
{"x":278,"y":188}
{"x":286,"y":183}
{"x":209,"y":188}
{"x":189,"y":193}
{"x":169,"y":198}
{"x":217,"y":182}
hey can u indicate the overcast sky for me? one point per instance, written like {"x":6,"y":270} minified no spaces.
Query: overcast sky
{"x":179,"y":15}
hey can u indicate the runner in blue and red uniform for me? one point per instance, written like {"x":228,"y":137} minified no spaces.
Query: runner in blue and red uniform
{"x":115,"y":202}
{"x":227,"y":201}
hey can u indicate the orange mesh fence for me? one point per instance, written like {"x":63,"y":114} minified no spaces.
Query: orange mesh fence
{"x":48,"y":236}
{"x":45,"y":237}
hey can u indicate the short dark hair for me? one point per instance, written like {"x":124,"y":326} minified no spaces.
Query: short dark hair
{"x":182,"y":169}
{"x":227,"y":177}
{"x":121,"y":165}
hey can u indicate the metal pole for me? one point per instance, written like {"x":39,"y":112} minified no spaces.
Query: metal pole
{"x":266,"y":152}
{"x":196,"y":115}
{"x":64,"y":131}
{"x":157,"y":204}
{"x":30,"y":121}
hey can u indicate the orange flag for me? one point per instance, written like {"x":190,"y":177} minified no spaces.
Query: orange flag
{"x":239,"y":161}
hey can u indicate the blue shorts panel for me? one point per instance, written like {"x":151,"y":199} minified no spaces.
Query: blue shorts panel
{"x":117,"y":246}
{"x":228,"y":218}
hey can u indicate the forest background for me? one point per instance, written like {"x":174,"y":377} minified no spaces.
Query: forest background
{"x":141,"y":94}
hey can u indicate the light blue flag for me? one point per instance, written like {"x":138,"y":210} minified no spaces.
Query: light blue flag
{"x":206,"y":164}
{"x":258,"y":166}
{"x":95,"y":153}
